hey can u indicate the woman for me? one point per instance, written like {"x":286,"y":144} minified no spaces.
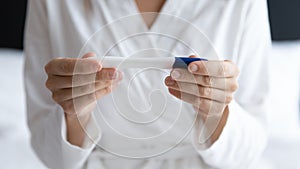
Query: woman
{"x":62,"y":101}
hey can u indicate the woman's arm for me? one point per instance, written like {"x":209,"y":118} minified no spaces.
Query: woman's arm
{"x":244,"y":136}
{"x":237,"y":132}
{"x":53,"y":135}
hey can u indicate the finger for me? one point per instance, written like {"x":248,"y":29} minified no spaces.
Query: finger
{"x":72,"y":93}
{"x":214,"y":68}
{"x":69,"y":93}
{"x":183,"y":75}
{"x":77,"y":105}
{"x":206,"y":105}
{"x":193,"y":56}
{"x":71,"y":66}
{"x":88,"y":55}
{"x":200,"y":91}
{"x":59,"y":82}
{"x":106,"y":74}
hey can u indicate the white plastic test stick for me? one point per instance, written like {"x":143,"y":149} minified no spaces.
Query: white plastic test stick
{"x":161,"y":63}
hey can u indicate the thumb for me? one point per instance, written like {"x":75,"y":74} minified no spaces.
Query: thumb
{"x":89,"y":55}
{"x":193,"y":56}
{"x":92,"y":55}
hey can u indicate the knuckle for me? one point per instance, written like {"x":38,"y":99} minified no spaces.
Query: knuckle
{"x":98,"y":94}
{"x":47,"y":68}
{"x":229,"y":98}
{"x":234,"y":86}
{"x":108,"y":90}
{"x":55,"y":96}
{"x":50,"y":66}
{"x":49,"y":84}
{"x":205,"y":91}
{"x":206,"y":81}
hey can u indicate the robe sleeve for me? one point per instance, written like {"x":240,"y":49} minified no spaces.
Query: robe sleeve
{"x":244,"y":136}
{"x":45,"y":118}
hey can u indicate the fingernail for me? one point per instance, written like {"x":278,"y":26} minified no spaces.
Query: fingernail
{"x":170,"y":82}
{"x":193,"y":68}
{"x":92,"y":57}
{"x":175,"y":74}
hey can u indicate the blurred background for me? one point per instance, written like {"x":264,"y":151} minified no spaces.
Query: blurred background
{"x":283,"y":151}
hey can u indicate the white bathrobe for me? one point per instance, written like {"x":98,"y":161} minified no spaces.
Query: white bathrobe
{"x":140,"y":125}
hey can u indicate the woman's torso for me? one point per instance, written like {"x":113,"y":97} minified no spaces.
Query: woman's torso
{"x":140,"y":118}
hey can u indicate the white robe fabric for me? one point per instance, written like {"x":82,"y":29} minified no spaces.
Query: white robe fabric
{"x":140,"y":119}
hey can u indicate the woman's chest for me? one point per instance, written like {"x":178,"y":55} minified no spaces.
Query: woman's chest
{"x":207,"y":29}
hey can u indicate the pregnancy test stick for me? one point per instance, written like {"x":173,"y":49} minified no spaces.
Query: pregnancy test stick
{"x":161,"y":63}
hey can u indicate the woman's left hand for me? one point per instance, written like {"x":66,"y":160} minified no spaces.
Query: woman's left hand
{"x":208,"y":86}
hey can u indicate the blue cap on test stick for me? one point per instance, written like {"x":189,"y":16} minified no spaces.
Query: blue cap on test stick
{"x":181,"y":62}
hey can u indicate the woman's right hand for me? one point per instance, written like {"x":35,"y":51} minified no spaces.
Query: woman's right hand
{"x":76,"y":84}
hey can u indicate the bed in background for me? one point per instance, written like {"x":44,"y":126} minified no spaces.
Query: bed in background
{"x":282,"y":152}
{"x":14,"y":136}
